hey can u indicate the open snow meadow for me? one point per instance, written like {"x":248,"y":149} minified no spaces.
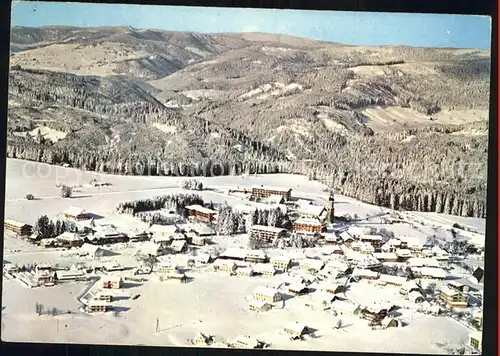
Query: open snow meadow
{"x":154,"y":311}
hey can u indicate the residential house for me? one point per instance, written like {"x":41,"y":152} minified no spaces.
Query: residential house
{"x":18,"y":227}
{"x":177,"y":275}
{"x":45,"y":277}
{"x":308,"y":226}
{"x":432,"y":273}
{"x":227,"y":266}
{"x":416,"y":297}
{"x":231,"y":253}
{"x":332,"y":288}
{"x":112,"y":266}
{"x":257,"y":256}
{"x":458,"y":286}
{"x":423,"y":262}
{"x":244,"y":271}
{"x":70,"y":239}
{"x":260,"y":192}
{"x":403,"y":254}
{"x":390,"y":323}
{"x":312,"y":212}
{"x":310,"y":265}
{"x":346,"y":238}
{"x":203,"y":258}
{"x":392,"y":280}
{"x":90,"y":251}
{"x":71,"y":275}
{"x":43,"y":267}
{"x":453,"y":298}
{"x":476,"y":340}
{"x":267,"y":295}
{"x":162,"y":230}
{"x":76,"y":214}
{"x":201,"y":213}
{"x":331,"y":239}
{"x":179,"y":246}
{"x":365,"y":274}
{"x":151,"y":249}
{"x":298,"y":289}
{"x":264,"y":269}
{"x":281,"y":263}
{"x":325,"y":297}
{"x":202,"y":230}
{"x":259,"y":306}
{"x":167,"y":268}
{"x":108,"y":234}
{"x":296,"y":329}
{"x":366,"y":248}
{"x":245,"y":342}
{"x":274,"y":199}
{"x":97,"y":306}
{"x":111,"y":282}
{"x":345,"y":307}
{"x":408,"y":287}
{"x":374,"y":240}
{"x":197,"y":240}
{"x":267,"y":233}
{"x":386,"y":256}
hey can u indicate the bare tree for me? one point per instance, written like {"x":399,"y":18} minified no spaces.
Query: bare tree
{"x":150,"y":261}
{"x":66,"y":192}
{"x":38,"y":308}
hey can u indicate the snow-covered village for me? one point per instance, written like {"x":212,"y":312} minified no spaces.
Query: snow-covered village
{"x":273,"y":261}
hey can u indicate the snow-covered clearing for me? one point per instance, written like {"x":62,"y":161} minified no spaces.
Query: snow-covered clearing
{"x":390,"y":118}
{"x":271,"y":90}
{"x":46,"y":133}
{"x":165,"y":128}
{"x":213,"y":303}
{"x":203,"y":94}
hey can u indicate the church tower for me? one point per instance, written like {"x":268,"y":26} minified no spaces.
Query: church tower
{"x":330,"y":210}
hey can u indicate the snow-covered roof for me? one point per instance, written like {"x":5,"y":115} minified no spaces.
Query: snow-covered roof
{"x":345,"y":305}
{"x":265,"y":228}
{"x":14,"y":223}
{"x":456,"y":284}
{"x":263,"y":267}
{"x":268,"y":292}
{"x":256,"y":254}
{"x":111,"y":279}
{"x":358,"y":230}
{"x":345,"y":236}
{"x":202,"y":229}
{"x":314,"y":210}
{"x":257,"y":303}
{"x":244,"y":270}
{"x":107,"y":230}
{"x":150,"y":248}
{"x":423,"y":262}
{"x":296,"y":287}
{"x":219,"y":262}
{"x":392,"y":279}
{"x":274,"y":199}
{"x":329,"y":285}
{"x":448,"y":291}
{"x":433,"y":272}
{"x":403,"y":252}
{"x":74,"y":211}
{"x":89,"y":248}
{"x":312,"y":263}
{"x":394,"y":242}
{"x":163,"y":229}
{"x":203,"y":257}
{"x":366,"y":247}
{"x":409,"y":285}
{"x":324,"y":296}
{"x":178,"y":245}
{"x":281,"y":259}
{"x":69,"y":274}
{"x":248,"y":341}
{"x":69,"y":236}
{"x":413,"y":295}
{"x":307,"y":221}
{"x":385,"y":255}
{"x":233,"y":252}
{"x":296,"y":327}
{"x":97,"y":303}
{"x":201,"y":209}
{"x":371,"y":237}
{"x":268,"y":187}
{"x":365,"y":273}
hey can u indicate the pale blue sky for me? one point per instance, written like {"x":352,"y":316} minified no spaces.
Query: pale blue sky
{"x":357,"y":28}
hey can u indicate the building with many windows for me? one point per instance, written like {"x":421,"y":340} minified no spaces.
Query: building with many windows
{"x":453,"y":298}
{"x":201,"y":213}
{"x":281,"y":263}
{"x":18,"y":227}
{"x":266,"y":233}
{"x":308,"y":226}
{"x":260,"y":192}
{"x":267,"y":295}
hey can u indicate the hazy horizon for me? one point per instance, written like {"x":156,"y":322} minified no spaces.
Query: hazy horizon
{"x":349,"y":28}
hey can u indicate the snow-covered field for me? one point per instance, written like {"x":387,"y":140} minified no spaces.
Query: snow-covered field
{"x":212,"y":303}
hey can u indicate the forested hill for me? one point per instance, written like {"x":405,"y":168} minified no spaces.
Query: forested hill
{"x":397,"y":126}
